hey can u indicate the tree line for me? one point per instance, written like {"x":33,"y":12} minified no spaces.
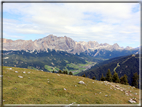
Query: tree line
{"x":63,"y":72}
{"x":115,"y":78}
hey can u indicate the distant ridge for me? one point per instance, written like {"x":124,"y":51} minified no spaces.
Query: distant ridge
{"x":58,"y":43}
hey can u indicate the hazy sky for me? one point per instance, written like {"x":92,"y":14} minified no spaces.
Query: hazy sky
{"x":102,"y":22}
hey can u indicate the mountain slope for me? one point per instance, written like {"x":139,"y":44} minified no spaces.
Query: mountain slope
{"x":122,"y":65}
{"x":47,"y":61}
{"x":37,"y":87}
{"x":107,"y":54}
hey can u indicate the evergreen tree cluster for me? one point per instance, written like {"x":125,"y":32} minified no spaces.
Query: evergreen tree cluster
{"x":63,"y":72}
{"x":115,"y":78}
{"x":123,"y":80}
{"x":128,"y":67}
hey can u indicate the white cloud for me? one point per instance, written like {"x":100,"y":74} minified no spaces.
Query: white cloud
{"x":77,"y":20}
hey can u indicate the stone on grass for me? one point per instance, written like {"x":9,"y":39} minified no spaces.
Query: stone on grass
{"x":16,"y":71}
{"x":24,"y":72}
{"x":20,"y":76}
{"x":127,"y":94}
{"x":81,"y":82}
{"x":116,"y":85}
{"x":131,"y":101}
{"x":65,"y":89}
{"x":10,"y":68}
{"x":135,"y":93}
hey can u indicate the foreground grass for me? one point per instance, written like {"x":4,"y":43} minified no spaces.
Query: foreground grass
{"x":37,"y":87}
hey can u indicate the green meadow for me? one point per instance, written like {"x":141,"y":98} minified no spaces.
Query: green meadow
{"x":38,"y":87}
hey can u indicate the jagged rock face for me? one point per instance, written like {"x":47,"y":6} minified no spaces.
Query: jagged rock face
{"x":57,"y":43}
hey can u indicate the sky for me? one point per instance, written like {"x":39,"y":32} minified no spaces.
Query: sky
{"x":102,"y":22}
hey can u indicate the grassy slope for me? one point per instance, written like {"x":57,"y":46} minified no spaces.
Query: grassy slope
{"x":34,"y":88}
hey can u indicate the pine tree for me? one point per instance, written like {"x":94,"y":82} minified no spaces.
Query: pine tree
{"x":108,"y":76}
{"x":60,"y":71}
{"x":64,"y":72}
{"x":115,"y":77}
{"x":70,"y":73}
{"x":135,"y":80}
{"x":94,"y":78}
{"x":53,"y":71}
{"x":124,"y":80}
{"x":102,"y":78}
{"x":83,"y":75}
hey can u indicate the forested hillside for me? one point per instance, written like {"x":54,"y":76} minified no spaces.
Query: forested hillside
{"x":46,"y":61}
{"x":122,"y":65}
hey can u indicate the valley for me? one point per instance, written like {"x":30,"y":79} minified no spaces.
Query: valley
{"x":48,"y":61}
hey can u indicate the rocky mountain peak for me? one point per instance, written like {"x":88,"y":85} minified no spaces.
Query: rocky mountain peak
{"x":58,"y":43}
{"x":50,"y":36}
{"x":115,"y":46}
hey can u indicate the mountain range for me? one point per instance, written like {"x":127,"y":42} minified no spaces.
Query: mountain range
{"x":59,"y":43}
